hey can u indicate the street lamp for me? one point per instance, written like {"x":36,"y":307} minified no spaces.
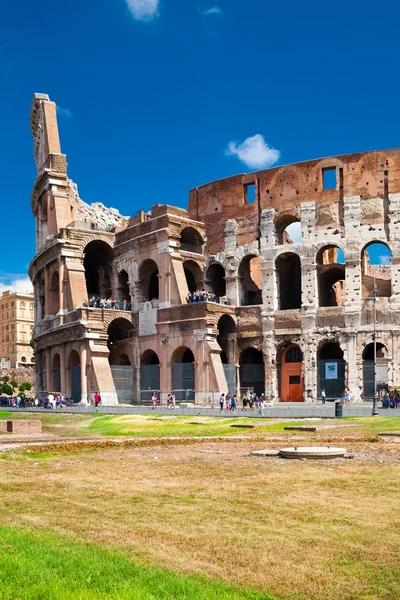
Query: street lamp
{"x":375,"y":400}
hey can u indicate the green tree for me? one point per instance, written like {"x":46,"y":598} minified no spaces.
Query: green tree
{"x":13,"y":383}
{"x":25,"y":385}
{"x":5,"y":379}
{"x":7,"y":389}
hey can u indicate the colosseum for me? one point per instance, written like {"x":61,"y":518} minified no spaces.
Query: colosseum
{"x":283,"y":316}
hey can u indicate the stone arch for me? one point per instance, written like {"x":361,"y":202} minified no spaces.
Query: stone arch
{"x":250,"y":280}
{"x":149,"y":280}
{"x":98,"y":258}
{"x":376,"y":268}
{"x":288,"y":273}
{"x":191,"y":240}
{"x":331,"y":369}
{"x":370,"y":386}
{"x":193,"y":274}
{"x":124,"y":360}
{"x":227,"y":333}
{"x":149,"y":375}
{"x":56,"y":373}
{"x":149,"y":357}
{"x":331,"y":275}
{"x":215,"y":279}
{"x":120,"y":331}
{"x":290,"y":371}
{"x":124,"y":294}
{"x":251,"y":369}
{"x":183,"y":374}
{"x":54,"y":299}
{"x":281,"y":227}
{"x":74,"y":375}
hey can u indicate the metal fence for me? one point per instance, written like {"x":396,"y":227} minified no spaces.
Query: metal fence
{"x":183,"y":382}
{"x":123,"y":380}
{"x":149,"y":383}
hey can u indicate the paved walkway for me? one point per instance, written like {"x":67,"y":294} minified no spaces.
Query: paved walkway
{"x":281,"y":410}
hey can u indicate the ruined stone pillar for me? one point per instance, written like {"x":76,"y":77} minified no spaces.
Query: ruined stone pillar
{"x":353,"y":376}
{"x":310,"y":373}
{"x":232,"y":289}
{"x":353,"y":303}
{"x":63,"y":374}
{"x":84,"y":394}
{"x":269,"y":286}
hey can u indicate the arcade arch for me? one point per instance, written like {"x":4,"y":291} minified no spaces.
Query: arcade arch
{"x":194,"y":275}
{"x":74,"y":375}
{"x":149,"y":376}
{"x":191,"y":240}
{"x":382,"y":363}
{"x":98,"y":257}
{"x":251,"y":369}
{"x":149,"y":280}
{"x":123,"y":286}
{"x":331,"y":370}
{"x":291,"y":374}
{"x":331,"y":273}
{"x":376,"y":261}
{"x":215,"y":279}
{"x":250,"y":278}
{"x":183,"y":374}
{"x":288,"y":272}
{"x":55,"y":293}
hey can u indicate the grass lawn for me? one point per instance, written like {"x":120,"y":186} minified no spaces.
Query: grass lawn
{"x":154,"y":425}
{"x":42,"y":565}
{"x":292,"y":529}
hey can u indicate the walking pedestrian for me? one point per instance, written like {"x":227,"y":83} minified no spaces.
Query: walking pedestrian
{"x":154,"y":400}
{"x":97,"y":399}
{"x":323,"y":396}
{"x":222,"y":401}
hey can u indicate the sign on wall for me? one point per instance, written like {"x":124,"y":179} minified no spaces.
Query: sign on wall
{"x":148,"y":320}
{"x":331,"y":370}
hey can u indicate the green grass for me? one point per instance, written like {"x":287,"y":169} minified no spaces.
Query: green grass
{"x":44,"y":566}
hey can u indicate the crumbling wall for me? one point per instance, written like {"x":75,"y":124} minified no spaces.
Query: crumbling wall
{"x":96,"y":215}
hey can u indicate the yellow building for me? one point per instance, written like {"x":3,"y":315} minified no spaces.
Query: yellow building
{"x":16,"y":324}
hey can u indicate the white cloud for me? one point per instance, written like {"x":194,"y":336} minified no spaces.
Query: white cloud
{"x":294,"y":232}
{"x":254,"y":152}
{"x":214,"y":10}
{"x":143,"y":10}
{"x":64,"y":112}
{"x":384,"y":260}
{"x":16,"y":284}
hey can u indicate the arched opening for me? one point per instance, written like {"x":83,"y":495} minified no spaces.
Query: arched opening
{"x":250,"y":278}
{"x":98,"y":268}
{"x":215,"y":280}
{"x":376,"y":267}
{"x":149,"y":280}
{"x":288,"y":230}
{"x":288,"y":271}
{"x":183,"y":373}
{"x":23,"y":359}
{"x":226,"y":338}
{"x":194,"y":275}
{"x":149,"y":376}
{"x":369,"y":386}
{"x":331,"y":370}
{"x":56,"y":375}
{"x":251,"y":368}
{"x":331,"y":272}
{"x":123,"y":289}
{"x":74,"y":371}
{"x":55,"y":293}
{"x":291,"y":378}
{"x":120,"y":332}
{"x":191,"y":240}
{"x":124,"y":360}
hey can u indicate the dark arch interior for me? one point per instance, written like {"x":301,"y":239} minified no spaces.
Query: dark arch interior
{"x":216,"y":279}
{"x":55,"y":293}
{"x":193,"y":275}
{"x":98,"y":268}
{"x":251,"y":356}
{"x":288,"y":270}
{"x":191,"y":240}
{"x":119,"y":329}
{"x":149,"y":358}
{"x":190,"y":280}
{"x":124,"y":360}
{"x":73,"y":359}
{"x":183,"y":355}
{"x":149,"y":280}
{"x":226,"y":328}
{"x":250,"y":274}
{"x":381,"y":351}
{"x":293,"y":355}
{"x":123,"y":286}
{"x":331,"y":350}
{"x":331,"y":285}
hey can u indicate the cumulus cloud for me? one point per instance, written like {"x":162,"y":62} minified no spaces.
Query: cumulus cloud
{"x":384,"y":259}
{"x":254,"y":152}
{"x":143,"y":10}
{"x":64,"y":112}
{"x":16,"y":284}
{"x":214,"y":10}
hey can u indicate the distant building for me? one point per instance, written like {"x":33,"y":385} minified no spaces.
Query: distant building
{"x":16,"y":324}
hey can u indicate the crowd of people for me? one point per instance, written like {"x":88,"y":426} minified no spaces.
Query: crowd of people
{"x":250,"y":401}
{"x":205,"y":296}
{"x":389,"y":399}
{"x":97,"y":302}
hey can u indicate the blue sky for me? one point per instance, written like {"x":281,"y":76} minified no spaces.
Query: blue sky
{"x":153,"y":93}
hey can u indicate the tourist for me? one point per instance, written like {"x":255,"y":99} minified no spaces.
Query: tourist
{"x":169,"y":401}
{"x":348,"y":397}
{"x":58,"y":401}
{"x":228,"y":401}
{"x":222,"y":401}
{"x":97,"y":399}
{"x":154,"y":400}
{"x":50,"y":400}
{"x":233,"y":402}
{"x":323,"y":396}
{"x":244,"y":401}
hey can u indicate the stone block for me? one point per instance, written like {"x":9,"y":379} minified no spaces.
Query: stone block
{"x":24,"y":426}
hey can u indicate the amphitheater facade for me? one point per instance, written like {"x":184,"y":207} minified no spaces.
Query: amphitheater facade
{"x":294,"y":314}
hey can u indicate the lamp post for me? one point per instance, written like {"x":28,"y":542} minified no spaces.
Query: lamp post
{"x":375,"y":401}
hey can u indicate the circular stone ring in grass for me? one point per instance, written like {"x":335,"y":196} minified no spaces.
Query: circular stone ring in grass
{"x":312,"y":452}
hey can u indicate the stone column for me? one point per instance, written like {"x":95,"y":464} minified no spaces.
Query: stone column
{"x":353,"y":376}
{"x":84,"y":395}
{"x":310,"y":370}
{"x":46,"y":291}
{"x":63,"y":374}
{"x":353,"y":304}
{"x":232,"y":289}
{"x":269,"y":286}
